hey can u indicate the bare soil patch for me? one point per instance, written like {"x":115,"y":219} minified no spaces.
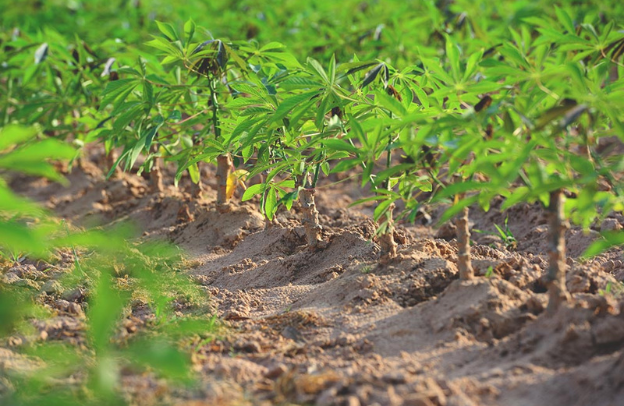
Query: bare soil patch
{"x":337,"y":327}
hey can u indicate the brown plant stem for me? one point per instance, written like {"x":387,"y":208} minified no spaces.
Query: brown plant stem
{"x":463,"y":246}
{"x":224,"y":162}
{"x":386,"y":240}
{"x":156,"y":178}
{"x":310,"y":218}
{"x":555,"y":278}
{"x":196,"y":190}
{"x":109,"y":161}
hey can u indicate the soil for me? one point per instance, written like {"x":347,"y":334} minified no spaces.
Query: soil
{"x":337,"y":326}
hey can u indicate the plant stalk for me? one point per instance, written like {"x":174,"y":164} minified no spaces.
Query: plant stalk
{"x":215,"y":110}
{"x":555,"y":278}
{"x":224,"y":162}
{"x":317,"y":170}
{"x":156,"y":178}
{"x":310,"y":218}
{"x":386,"y":240}
{"x":464,"y":263}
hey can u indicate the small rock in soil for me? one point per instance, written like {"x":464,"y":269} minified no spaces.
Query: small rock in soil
{"x":52,"y":287}
{"x":394,"y":378}
{"x":352,"y":401}
{"x":28,"y":284}
{"x":293,"y":334}
{"x":74,"y":295}
{"x":10,"y":278}
{"x":448,"y":231}
{"x":247,"y":346}
{"x":610,"y":225}
{"x":275,"y":372}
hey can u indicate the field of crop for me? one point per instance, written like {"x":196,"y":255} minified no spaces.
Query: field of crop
{"x":366,"y":202}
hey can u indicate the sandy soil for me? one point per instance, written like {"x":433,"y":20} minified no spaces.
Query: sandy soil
{"x":336,"y":327}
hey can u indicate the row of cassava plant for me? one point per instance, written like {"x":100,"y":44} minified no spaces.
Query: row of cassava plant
{"x":392,"y":30}
{"x":535,"y":138}
{"x":493,"y":140}
{"x":456,"y":119}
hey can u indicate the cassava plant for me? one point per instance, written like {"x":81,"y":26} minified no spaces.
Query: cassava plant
{"x":545,"y":128}
{"x":380,"y":126}
{"x":173,"y":109}
{"x":293,"y":138}
{"x":54,"y":83}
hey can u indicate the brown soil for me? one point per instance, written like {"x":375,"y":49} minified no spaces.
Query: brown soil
{"x":335,"y":326}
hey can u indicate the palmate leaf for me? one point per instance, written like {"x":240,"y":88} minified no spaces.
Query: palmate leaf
{"x":272,"y":46}
{"x":287,"y":105}
{"x":452,"y":54}
{"x":127,"y":113}
{"x":13,"y":205}
{"x":391,"y":172}
{"x":287,"y":199}
{"x":615,"y":49}
{"x":390,"y":103}
{"x":244,"y":126}
{"x":169,"y":48}
{"x":15,"y":134}
{"x":318,"y":70}
{"x":31,"y":159}
{"x":257,"y":91}
{"x":572,"y":115}
{"x":117,"y":91}
{"x":436,"y":70}
{"x":255,"y":110}
{"x":353,"y":67}
{"x":252,"y":191}
{"x":459,"y":188}
{"x":381,"y":209}
{"x":104,"y":311}
{"x":240,"y":103}
{"x":160,"y":355}
{"x":372,"y":75}
{"x":41,"y":54}
{"x":297,"y":82}
{"x":553,"y":114}
{"x":456,"y":208}
{"x":340,"y":145}
{"x":189,"y":31}
{"x":345,"y":165}
{"x":609,"y":240}
{"x":18,"y":237}
{"x":193,"y":171}
{"x":168,"y":31}
{"x":270,"y":203}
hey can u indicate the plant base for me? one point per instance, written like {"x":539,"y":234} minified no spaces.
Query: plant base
{"x":555,"y":278}
{"x":386,"y":240}
{"x":224,"y":163}
{"x":464,"y":263}
{"x":310,"y":220}
{"x":156,"y":178}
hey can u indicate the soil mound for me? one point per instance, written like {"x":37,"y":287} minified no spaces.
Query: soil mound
{"x":334,"y":326}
